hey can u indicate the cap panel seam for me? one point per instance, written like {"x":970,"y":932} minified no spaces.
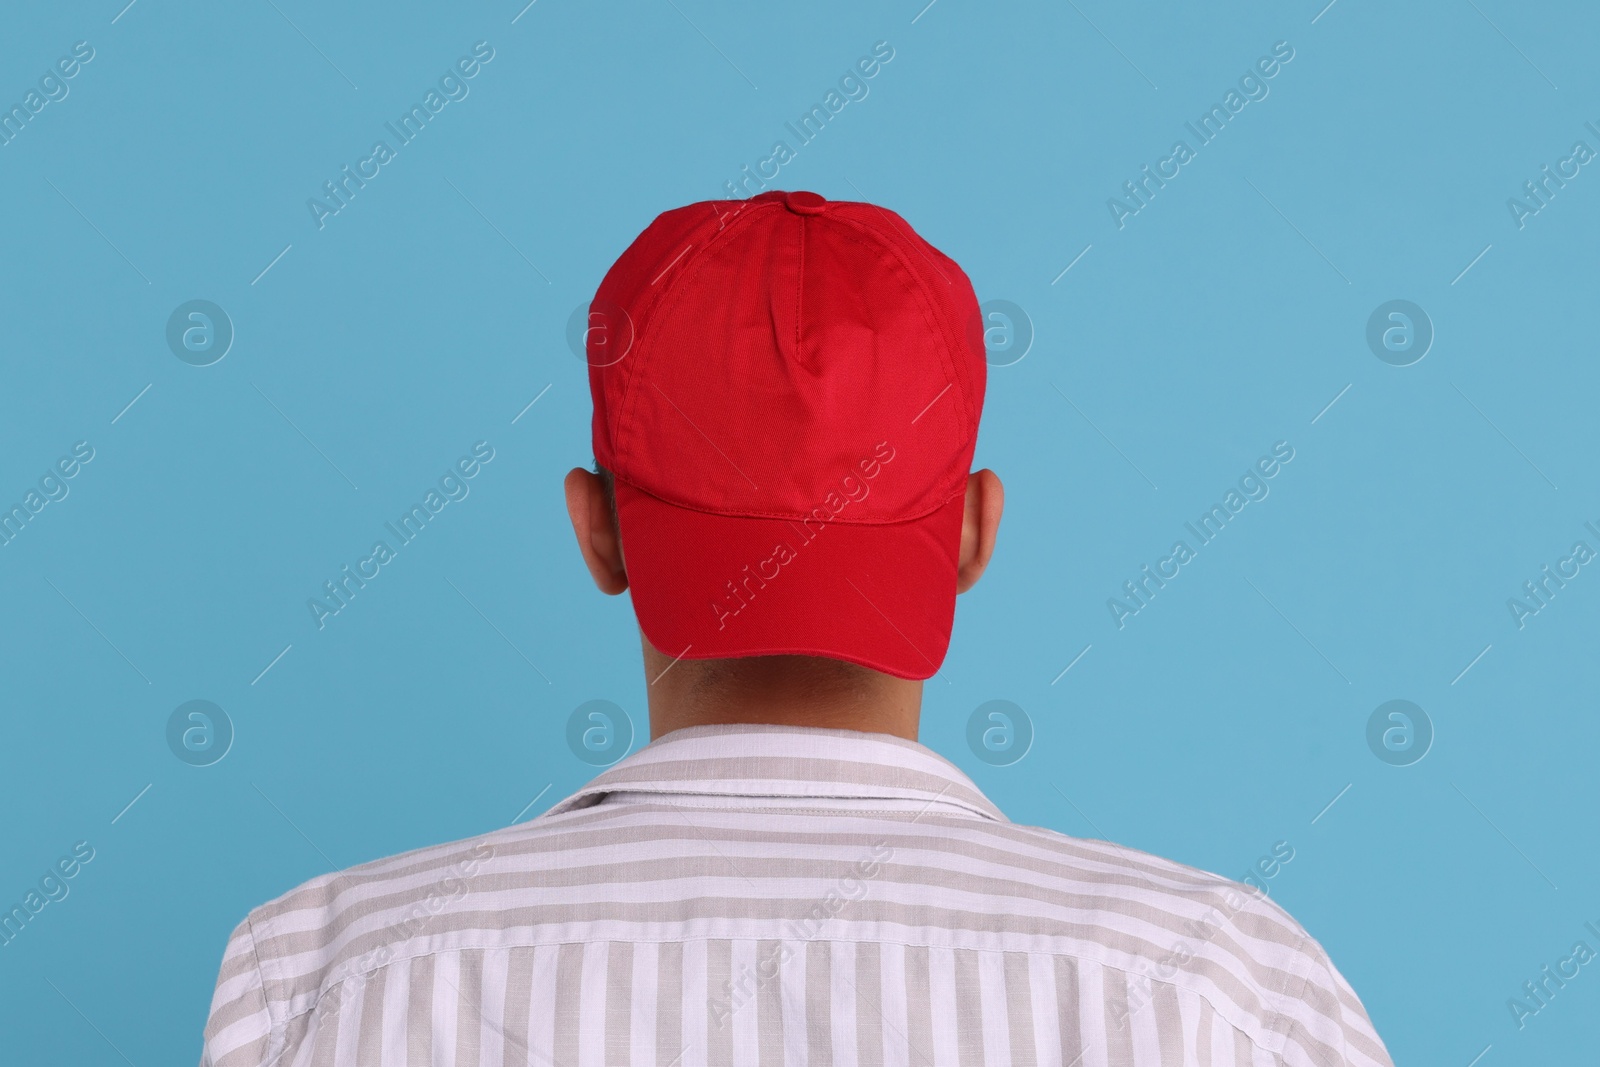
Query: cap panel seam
{"x":619,"y":457}
{"x":672,"y":291}
{"x":863,"y":226}
{"x":614,"y":412}
{"x":800,"y":294}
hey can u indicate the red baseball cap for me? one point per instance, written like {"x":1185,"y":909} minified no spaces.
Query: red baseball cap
{"x":787,"y":391}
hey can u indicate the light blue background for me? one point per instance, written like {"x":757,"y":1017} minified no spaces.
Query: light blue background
{"x":1222,"y":318}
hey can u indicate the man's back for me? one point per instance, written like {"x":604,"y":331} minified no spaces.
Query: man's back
{"x":759,"y":894}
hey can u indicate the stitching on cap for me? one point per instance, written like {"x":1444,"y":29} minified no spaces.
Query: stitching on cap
{"x":955,"y":372}
{"x":673,"y":291}
{"x":695,"y":263}
{"x":800,"y":290}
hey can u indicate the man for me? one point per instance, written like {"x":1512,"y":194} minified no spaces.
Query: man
{"x":786,"y":401}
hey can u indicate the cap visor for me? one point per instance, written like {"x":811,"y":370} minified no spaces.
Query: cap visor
{"x":717,"y":586}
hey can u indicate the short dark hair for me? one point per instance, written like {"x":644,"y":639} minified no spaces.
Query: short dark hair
{"x":609,"y":482}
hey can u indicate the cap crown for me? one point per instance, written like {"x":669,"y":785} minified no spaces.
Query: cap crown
{"x":748,"y":356}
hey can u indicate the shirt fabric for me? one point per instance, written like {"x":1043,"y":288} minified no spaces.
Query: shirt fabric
{"x":779,"y":896}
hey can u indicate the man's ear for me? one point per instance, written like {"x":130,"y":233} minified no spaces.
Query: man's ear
{"x":986,"y":499}
{"x":596,"y":530}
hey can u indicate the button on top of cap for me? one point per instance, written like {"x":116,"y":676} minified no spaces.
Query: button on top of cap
{"x":804,"y":203}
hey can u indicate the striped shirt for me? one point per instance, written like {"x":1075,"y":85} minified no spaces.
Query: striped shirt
{"x":779,"y":896}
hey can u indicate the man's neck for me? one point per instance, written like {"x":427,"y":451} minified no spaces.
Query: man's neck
{"x":780,"y":690}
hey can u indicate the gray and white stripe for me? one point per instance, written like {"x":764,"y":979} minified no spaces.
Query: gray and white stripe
{"x":779,"y":896}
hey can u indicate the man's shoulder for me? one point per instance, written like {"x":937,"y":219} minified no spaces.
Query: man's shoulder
{"x":1193,"y":923}
{"x":438,"y":872}
{"x":1088,"y":872}
{"x":1183,"y":912}
{"x":1132,"y":872}
{"x":286,"y":955}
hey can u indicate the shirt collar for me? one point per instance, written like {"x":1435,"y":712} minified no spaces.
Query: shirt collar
{"x":767,"y":760}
